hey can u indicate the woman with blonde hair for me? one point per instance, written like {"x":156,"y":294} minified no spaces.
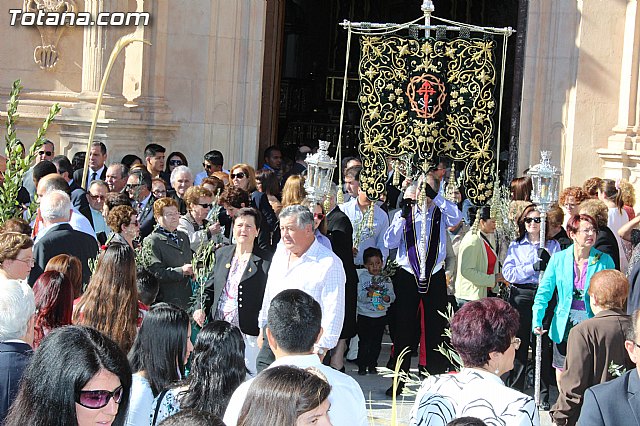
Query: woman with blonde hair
{"x":628,"y":193}
{"x":110,"y":304}
{"x":293,"y":191}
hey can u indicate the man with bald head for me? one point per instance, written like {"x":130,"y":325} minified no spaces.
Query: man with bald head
{"x":59,"y":237}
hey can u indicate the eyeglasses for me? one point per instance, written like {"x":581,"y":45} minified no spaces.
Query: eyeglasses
{"x":131,"y":186}
{"x":318,"y":216}
{"x":588,"y":231}
{"x":30,"y":262}
{"x":174,"y":214}
{"x":516,"y":343}
{"x":205,"y":206}
{"x":47,"y":153}
{"x":134,"y":223}
{"x":532,"y":219}
{"x":207,"y":166}
{"x":636,"y":345}
{"x":97,"y":197}
{"x":97,"y":399}
{"x":570,"y":206}
{"x":160,"y":192}
{"x":240,"y":175}
{"x":175,"y":162}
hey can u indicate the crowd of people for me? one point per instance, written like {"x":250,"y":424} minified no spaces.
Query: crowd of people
{"x":110,"y":315}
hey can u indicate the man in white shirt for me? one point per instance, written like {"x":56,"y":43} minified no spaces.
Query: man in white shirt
{"x":302,"y":263}
{"x":292,"y":330}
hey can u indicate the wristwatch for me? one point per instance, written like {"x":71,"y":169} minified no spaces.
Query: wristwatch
{"x":318,"y":350}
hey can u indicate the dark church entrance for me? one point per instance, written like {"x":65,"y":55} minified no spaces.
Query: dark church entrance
{"x":305,"y":57}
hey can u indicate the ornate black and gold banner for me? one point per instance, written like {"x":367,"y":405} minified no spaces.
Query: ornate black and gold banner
{"x":431,"y":98}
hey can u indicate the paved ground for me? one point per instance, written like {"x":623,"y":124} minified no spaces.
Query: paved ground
{"x":379,"y":404}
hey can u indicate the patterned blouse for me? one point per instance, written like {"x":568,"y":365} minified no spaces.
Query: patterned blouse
{"x":473,"y":393}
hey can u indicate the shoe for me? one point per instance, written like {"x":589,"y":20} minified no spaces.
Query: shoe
{"x":362,"y":371}
{"x":373,"y":370}
{"x":389,"y":391}
{"x":545,"y":406}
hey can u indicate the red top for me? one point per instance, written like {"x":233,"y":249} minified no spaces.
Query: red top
{"x":491,"y":258}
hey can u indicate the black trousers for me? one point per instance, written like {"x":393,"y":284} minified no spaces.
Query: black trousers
{"x":370,"y":332}
{"x":414,"y":311}
{"x":265,"y":356}
{"x":522,"y":300}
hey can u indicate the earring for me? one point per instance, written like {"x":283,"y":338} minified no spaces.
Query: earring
{"x":497,"y":371}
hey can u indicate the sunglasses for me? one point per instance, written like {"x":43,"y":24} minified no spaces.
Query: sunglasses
{"x":319,"y":216}
{"x":175,"y":162}
{"x":96,"y":399}
{"x":206,"y":206}
{"x":96,"y":197}
{"x":207,"y":166}
{"x":47,"y":153}
{"x":240,"y":175}
{"x":532,"y":219}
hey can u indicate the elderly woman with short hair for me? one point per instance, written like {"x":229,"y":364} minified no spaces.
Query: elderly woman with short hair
{"x":16,"y":256}
{"x":587,"y":364}
{"x":181,"y":179}
{"x":483,"y":332}
{"x":606,"y":241}
{"x":170,"y":255}
{"x":123,"y":221}
{"x":195,"y":223}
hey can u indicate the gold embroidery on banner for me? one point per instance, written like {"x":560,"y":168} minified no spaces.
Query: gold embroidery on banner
{"x":430,"y":98}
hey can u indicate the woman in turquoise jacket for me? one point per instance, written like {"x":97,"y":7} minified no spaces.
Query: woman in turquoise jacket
{"x":569,"y":272}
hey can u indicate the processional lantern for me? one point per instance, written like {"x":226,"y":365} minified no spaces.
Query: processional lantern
{"x":545,"y":178}
{"x":320,"y":167}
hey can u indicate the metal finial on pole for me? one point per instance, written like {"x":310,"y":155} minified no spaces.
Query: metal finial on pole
{"x":427,"y":8}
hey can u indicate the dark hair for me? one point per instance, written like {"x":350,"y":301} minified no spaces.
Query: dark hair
{"x":54,"y":303}
{"x":147,"y":284}
{"x":270,"y":150}
{"x":294,"y":321}
{"x":217,"y":368}
{"x":631,"y":333}
{"x":574,"y":222}
{"x":114,"y":199}
{"x":612,"y":193}
{"x":129,"y":159}
{"x":63,"y":165}
{"x":160,"y":346}
{"x":301,"y":155}
{"x":481,"y":327}
{"x":345,"y":161}
{"x":215,"y":157}
{"x":591,"y":185}
{"x":192,"y":418}
{"x":43,"y":168}
{"x":144,"y":177}
{"x":250,"y":211}
{"x":371,"y":252}
{"x":103,"y":147}
{"x":110,"y":303}
{"x":466,"y":421}
{"x":279,"y":395}
{"x":68,"y":358}
{"x":77,"y":161}
{"x":235,"y":197}
{"x":521,"y":188}
{"x":152,"y":149}
{"x":521,"y":228}
{"x":176,"y":154}
{"x":353,"y":172}
{"x":269,"y":182}
{"x":483,"y":211}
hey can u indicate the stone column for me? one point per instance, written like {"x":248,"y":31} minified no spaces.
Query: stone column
{"x":93,"y":53}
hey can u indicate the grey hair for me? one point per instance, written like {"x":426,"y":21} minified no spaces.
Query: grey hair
{"x":333,"y":190}
{"x":17,"y":306}
{"x":55,"y":205}
{"x":124,"y":170}
{"x":303,"y":216}
{"x":100,"y":183}
{"x":179,"y":170}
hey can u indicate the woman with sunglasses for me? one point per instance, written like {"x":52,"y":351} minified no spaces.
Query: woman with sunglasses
{"x":78,"y":376}
{"x":319,"y":223}
{"x":158,"y":358}
{"x":235,"y":290}
{"x":194,"y":223}
{"x":243,"y":176}
{"x":522,"y":265}
{"x":569,"y":273}
{"x":174,"y":160}
{"x":123,"y":221}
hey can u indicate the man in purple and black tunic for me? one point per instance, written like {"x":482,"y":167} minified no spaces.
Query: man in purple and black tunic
{"x":420,"y":294}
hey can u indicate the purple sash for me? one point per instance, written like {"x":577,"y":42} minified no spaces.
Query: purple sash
{"x":432,"y":249}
